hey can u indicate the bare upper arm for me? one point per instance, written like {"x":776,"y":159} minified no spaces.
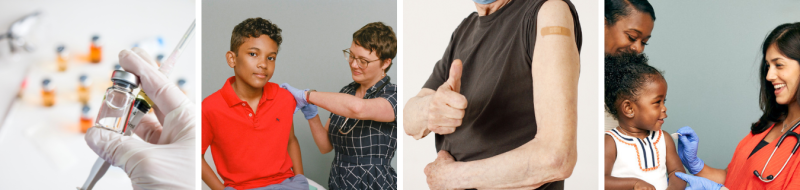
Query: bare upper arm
{"x":610,"y":154}
{"x":673,"y":160}
{"x":379,"y":109}
{"x":291,"y":134}
{"x":555,"y":69}
{"x":555,"y":13}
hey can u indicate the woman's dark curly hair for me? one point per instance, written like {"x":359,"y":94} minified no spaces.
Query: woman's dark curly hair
{"x":786,"y":38}
{"x":254,"y":28}
{"x":625,"y":74}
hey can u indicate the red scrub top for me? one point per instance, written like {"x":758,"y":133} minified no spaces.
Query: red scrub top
{"x":740,"y":170}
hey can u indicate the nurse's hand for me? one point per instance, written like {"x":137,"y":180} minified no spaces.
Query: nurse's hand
{"x":163,"y":158}
{"x":299,"y":95}
{"x":438,"y":171}
{"x":698,"y":183}
{"x":687,"y":150}
{"x":446,"y":109}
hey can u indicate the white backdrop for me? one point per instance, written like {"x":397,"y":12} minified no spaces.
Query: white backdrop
{"x":427,"y":27}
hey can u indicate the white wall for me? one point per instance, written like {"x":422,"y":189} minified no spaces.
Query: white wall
{"x":428,"y":26}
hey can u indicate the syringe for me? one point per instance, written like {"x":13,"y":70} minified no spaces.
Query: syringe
{"x":166,"y":66}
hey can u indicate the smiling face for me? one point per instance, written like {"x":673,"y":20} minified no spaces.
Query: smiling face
{"x":254,"y":62}
{"x":629,"y":33}
{"x":373,"y":70}
{"x":649,"y":110}
{"x":783,"y":73}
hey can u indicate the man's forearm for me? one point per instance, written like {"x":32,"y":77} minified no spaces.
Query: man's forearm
{"x":528,"y":166}
{"x":210,"y":178}
{"x":415,"y":114}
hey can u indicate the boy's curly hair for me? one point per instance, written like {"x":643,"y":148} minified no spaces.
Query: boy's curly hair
{"x":253,"y":28}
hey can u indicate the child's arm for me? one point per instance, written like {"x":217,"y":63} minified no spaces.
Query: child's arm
{"x":615,"y":182}
{"x":320,"y":134}
{"x":673,"y":164}
{"x":294,"y":153}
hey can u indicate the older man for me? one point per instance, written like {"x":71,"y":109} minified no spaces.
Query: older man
{"x":503,"y":98}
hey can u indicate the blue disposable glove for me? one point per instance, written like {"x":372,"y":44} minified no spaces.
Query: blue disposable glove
{"x":309,"y":111}
{"x":687,"y":150}
{"x":299,"y":95}
{"x":698,"y":183}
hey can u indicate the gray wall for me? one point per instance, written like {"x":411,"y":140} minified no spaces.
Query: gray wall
{"x":310,"y":56}
{"x":710,"y":54}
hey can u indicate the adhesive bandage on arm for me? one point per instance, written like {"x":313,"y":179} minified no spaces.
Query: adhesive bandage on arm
{"x":558,"y":30}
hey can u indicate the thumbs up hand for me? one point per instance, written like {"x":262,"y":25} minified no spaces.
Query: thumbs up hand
{"x":446,"y":109}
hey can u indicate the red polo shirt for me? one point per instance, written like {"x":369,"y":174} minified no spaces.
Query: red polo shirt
{"x":249,"y":149}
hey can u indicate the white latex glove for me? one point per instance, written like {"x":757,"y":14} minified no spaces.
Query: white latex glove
{"x":164,"y":157}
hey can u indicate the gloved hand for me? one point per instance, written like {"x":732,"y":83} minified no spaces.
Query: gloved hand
{"x":309,"y":111}
{"x":687,"y":150}
{"x":698,"y":183}
{"x":299,"y":95}
{"x":164,"y":156}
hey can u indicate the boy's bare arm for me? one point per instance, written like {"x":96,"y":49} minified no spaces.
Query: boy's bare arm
{"x":210,"y":178}
{"x":673,"y":164}
{"x":294,"y":153}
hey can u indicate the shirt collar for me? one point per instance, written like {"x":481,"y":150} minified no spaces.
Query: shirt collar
{"x":269,"y":92}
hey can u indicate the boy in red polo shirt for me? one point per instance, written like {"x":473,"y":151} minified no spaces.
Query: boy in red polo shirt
{"x":248,"y":123}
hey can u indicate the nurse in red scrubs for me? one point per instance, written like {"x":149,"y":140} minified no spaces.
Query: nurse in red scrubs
{"x":765,"y":158}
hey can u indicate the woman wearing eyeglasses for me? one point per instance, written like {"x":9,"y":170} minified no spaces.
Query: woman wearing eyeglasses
{"x":362,"y":128}
{"x":765,"y":158}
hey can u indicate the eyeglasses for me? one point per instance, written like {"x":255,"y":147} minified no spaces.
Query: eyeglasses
{"x":361,"y":62}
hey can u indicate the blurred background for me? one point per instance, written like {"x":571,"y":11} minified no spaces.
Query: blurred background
{"x":314,"y":35}
{"x":41,"y":132}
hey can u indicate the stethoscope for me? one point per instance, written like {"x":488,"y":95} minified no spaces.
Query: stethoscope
{"x":388,"y":79}
{"x":770,"y":178}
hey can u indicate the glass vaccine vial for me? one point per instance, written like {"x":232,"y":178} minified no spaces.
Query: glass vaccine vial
{"x":61,"y":58}
{"x":83,"y":89}
{"x":117,"y":103}
{"x":48,"y":93}
{"x":86,"y":118}
{"x":95,"y":50}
